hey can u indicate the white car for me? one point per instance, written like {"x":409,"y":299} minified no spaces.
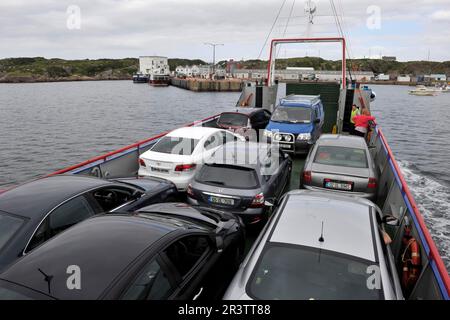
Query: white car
{"x":180,"y":153}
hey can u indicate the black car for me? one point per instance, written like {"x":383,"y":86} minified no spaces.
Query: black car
{"x":33,"y":212}
{"x":247,"y":122}
{"x":242,"y":177}
{"x":163,"y":251}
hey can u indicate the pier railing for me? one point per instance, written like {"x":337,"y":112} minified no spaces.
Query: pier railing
{"x":396,"y":198}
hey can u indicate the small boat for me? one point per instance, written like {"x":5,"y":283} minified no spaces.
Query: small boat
{"x":140,"y":78}
{"x":423,"y":91}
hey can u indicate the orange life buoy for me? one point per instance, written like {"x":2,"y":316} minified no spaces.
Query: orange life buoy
{"x":411,"y":261}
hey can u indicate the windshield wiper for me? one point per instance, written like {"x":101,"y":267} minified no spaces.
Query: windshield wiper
{"x":215,"y":182}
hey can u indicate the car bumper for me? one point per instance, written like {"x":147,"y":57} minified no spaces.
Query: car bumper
{"x":296,"y":147}
{"x":365,"y":195}
{"x":180,"y":181}
{"x":250,"y":216}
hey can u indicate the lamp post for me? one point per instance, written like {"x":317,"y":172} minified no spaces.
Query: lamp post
{"x":213,"y":45}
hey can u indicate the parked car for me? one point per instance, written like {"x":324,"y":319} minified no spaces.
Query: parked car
{"x":296,"y":123}
{"x":163,"y":251}
{"x":247,"y":122}
{"x":34,"y":212}
{"x":341,"y":164}
{"x":240,"y":177}
{"x":180,"y":153}
{"x":320,"y":246}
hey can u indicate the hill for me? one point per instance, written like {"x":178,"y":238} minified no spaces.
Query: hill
{"x":39,"y":69}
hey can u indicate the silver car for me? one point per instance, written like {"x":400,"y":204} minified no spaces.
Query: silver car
{"x":319,"y":245}
{"x":340,"y":164}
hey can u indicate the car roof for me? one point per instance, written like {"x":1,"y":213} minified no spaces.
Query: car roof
{"x":247,"y":111}
{"x":347,"y":226}
{"x":231,"y":152}
{"x":39,"y":196}
{"x":192,"y":132}
{"x":296,"y":99}
{"x":102,"y":247}
{"x":340,"y":140}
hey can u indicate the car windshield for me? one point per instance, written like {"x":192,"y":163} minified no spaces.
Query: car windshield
{"x":292,"y":114}
{"x":228,"y":176}
{"x":341,"y":156}
{"x":233,"y":119}
{"x":288,"y":272}
{"x":8,"y":227}
{"x":175,"y":145}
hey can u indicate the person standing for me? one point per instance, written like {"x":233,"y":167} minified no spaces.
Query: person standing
{"x":355,"y":111}
{"x":362,"y":122}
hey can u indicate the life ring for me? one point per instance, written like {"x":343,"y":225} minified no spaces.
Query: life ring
{"x":411,"y":261}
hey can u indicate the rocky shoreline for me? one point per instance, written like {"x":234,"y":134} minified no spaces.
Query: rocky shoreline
{"x":36,"y":79}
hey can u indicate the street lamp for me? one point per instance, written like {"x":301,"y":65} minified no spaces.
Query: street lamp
{"x":213,"y":45}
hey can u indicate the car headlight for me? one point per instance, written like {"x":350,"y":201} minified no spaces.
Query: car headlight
{"x":267,"y":133}
{"x":288,"y":138}
{"x":304,"y":136}
{"x":277,"y":137}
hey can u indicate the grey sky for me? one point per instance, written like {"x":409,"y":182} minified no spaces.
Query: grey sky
{"x":178,"y":28}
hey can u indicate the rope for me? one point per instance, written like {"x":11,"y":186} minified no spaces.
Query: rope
{"x":271,"y":29}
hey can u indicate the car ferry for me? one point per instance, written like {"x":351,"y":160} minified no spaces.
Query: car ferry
{"x":392,"y":196}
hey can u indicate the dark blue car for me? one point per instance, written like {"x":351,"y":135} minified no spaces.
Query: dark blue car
{"x":296,"y":123}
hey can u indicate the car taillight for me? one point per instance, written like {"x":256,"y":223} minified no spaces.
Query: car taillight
{"x":307,"y":177}
{"x":190,"y":191}
{"x":372,"y":183}
{"x":258,"y":201}
{"x":142,"y":162}
{"x":185,"y":167}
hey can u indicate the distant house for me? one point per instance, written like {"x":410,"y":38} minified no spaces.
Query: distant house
{"x":404,"y":78}
{"x":435,"y":77}
{"x":155,"y":65}
{"x":388,"y":58}
{"x":382,"y":77}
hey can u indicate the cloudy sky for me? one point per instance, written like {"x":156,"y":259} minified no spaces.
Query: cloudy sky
{"x":78,"y":29}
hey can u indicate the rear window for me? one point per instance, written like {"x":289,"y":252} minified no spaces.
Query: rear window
{"x":228,"y":176}
{"x":175,"y":145}
{"x":341,"y":156}
{"x":233,"y":119}
{"x":287,"y":272}
{"x":8,"y":227}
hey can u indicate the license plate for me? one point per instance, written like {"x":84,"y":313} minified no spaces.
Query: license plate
{"x":339,"y":185}
{"x":218,"y":200}
{"x":285,"y":146}
{"x":160,"y":170}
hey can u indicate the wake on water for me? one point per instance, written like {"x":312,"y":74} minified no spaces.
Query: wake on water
{"x":433,"y":199}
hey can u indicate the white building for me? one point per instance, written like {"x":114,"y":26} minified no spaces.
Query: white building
{"x":154,"y":65}
{"x":296,"y":74}
{"x":436,"y":77}
{"x":403,"y":79}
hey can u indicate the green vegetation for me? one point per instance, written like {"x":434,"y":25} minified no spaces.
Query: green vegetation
{"x":42,"y":69}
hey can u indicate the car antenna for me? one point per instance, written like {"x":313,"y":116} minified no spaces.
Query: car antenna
{"x":321,"y":240}
{"x":47,"y":279}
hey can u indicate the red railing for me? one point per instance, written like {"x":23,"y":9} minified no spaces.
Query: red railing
{"x":131,"y":146}
{"x":433,"y":253}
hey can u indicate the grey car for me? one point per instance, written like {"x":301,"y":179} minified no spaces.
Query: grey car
{"x":340,"y":164}
{"x":323,"y":246}
{"x":242,"y":177}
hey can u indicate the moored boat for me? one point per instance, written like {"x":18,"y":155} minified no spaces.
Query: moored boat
{"x":421,"y":90}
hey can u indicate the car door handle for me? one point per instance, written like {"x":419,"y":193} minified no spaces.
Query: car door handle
{"x":198,"y":294}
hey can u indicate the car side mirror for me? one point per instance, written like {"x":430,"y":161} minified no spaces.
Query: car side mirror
{"x":269,"y":204}
{"x":137,"y":194}
{"x":317,"y":120}
{"x":390,"y":220}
